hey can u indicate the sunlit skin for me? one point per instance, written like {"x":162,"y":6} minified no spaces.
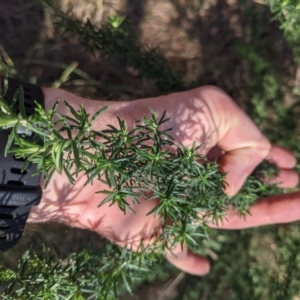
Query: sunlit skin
{"x":204,"y":115}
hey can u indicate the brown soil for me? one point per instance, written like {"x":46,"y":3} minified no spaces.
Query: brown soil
{"x":198,"y":38}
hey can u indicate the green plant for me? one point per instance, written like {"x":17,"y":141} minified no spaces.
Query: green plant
{"x":89,"y":274}
{"x":114,"y":40}
{"x":287,"y":12}
{"x":84,"y":275}
{"x":276,"y":117}
{"x":132,"y":163}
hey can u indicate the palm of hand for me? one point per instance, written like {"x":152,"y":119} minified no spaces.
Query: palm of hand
{"x":225,"y":129}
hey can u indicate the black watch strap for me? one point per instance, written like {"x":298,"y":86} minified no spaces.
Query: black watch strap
{"x":18,"y":191}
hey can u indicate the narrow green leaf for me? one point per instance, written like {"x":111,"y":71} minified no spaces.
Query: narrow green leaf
{"x":5,"y":87}
{"x":100,"y":111}
{"x":71,"y":109}
{"x":76,"y":155}
{"x":69,"y":176}
{"x":10,"y":139}
{"x":127,"y":286}
{"x":20,"y":96}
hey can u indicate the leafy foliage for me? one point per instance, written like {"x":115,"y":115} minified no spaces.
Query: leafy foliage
{"x":85,"y":275}
{"x":137,"y":162}
{"x":132,"y":163}
{"x":287,"y":13}
{"x":114,"y":40}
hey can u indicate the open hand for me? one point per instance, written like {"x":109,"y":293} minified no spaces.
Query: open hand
{"x":204,"y":115}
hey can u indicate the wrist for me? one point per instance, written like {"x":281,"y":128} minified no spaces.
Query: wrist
{"x":19,"y":190}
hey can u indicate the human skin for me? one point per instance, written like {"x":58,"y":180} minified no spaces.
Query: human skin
{"x":204,"y":115}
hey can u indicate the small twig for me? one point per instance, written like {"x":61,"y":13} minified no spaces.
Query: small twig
{"x":205,"y":294}
{"x":172,"y":286}
{"x":6,"y":64}
{"x":60,"y":65}
{"x":65,"y":75}
{"x":5,"y":57}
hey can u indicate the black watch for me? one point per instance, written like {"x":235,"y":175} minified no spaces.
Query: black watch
{"x":18,"y":191}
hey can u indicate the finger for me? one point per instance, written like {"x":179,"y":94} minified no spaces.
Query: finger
{"x":285,"y":160}
{"x":270,"y":210}
{"x":286,"y":178}
{"x":243,"y":143}
{"x":188,"y":261}
{"x":238,"y":165}
{"x":281,"y":157}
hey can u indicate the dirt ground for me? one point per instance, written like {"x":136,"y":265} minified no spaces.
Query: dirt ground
{"x":199,"y":38}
